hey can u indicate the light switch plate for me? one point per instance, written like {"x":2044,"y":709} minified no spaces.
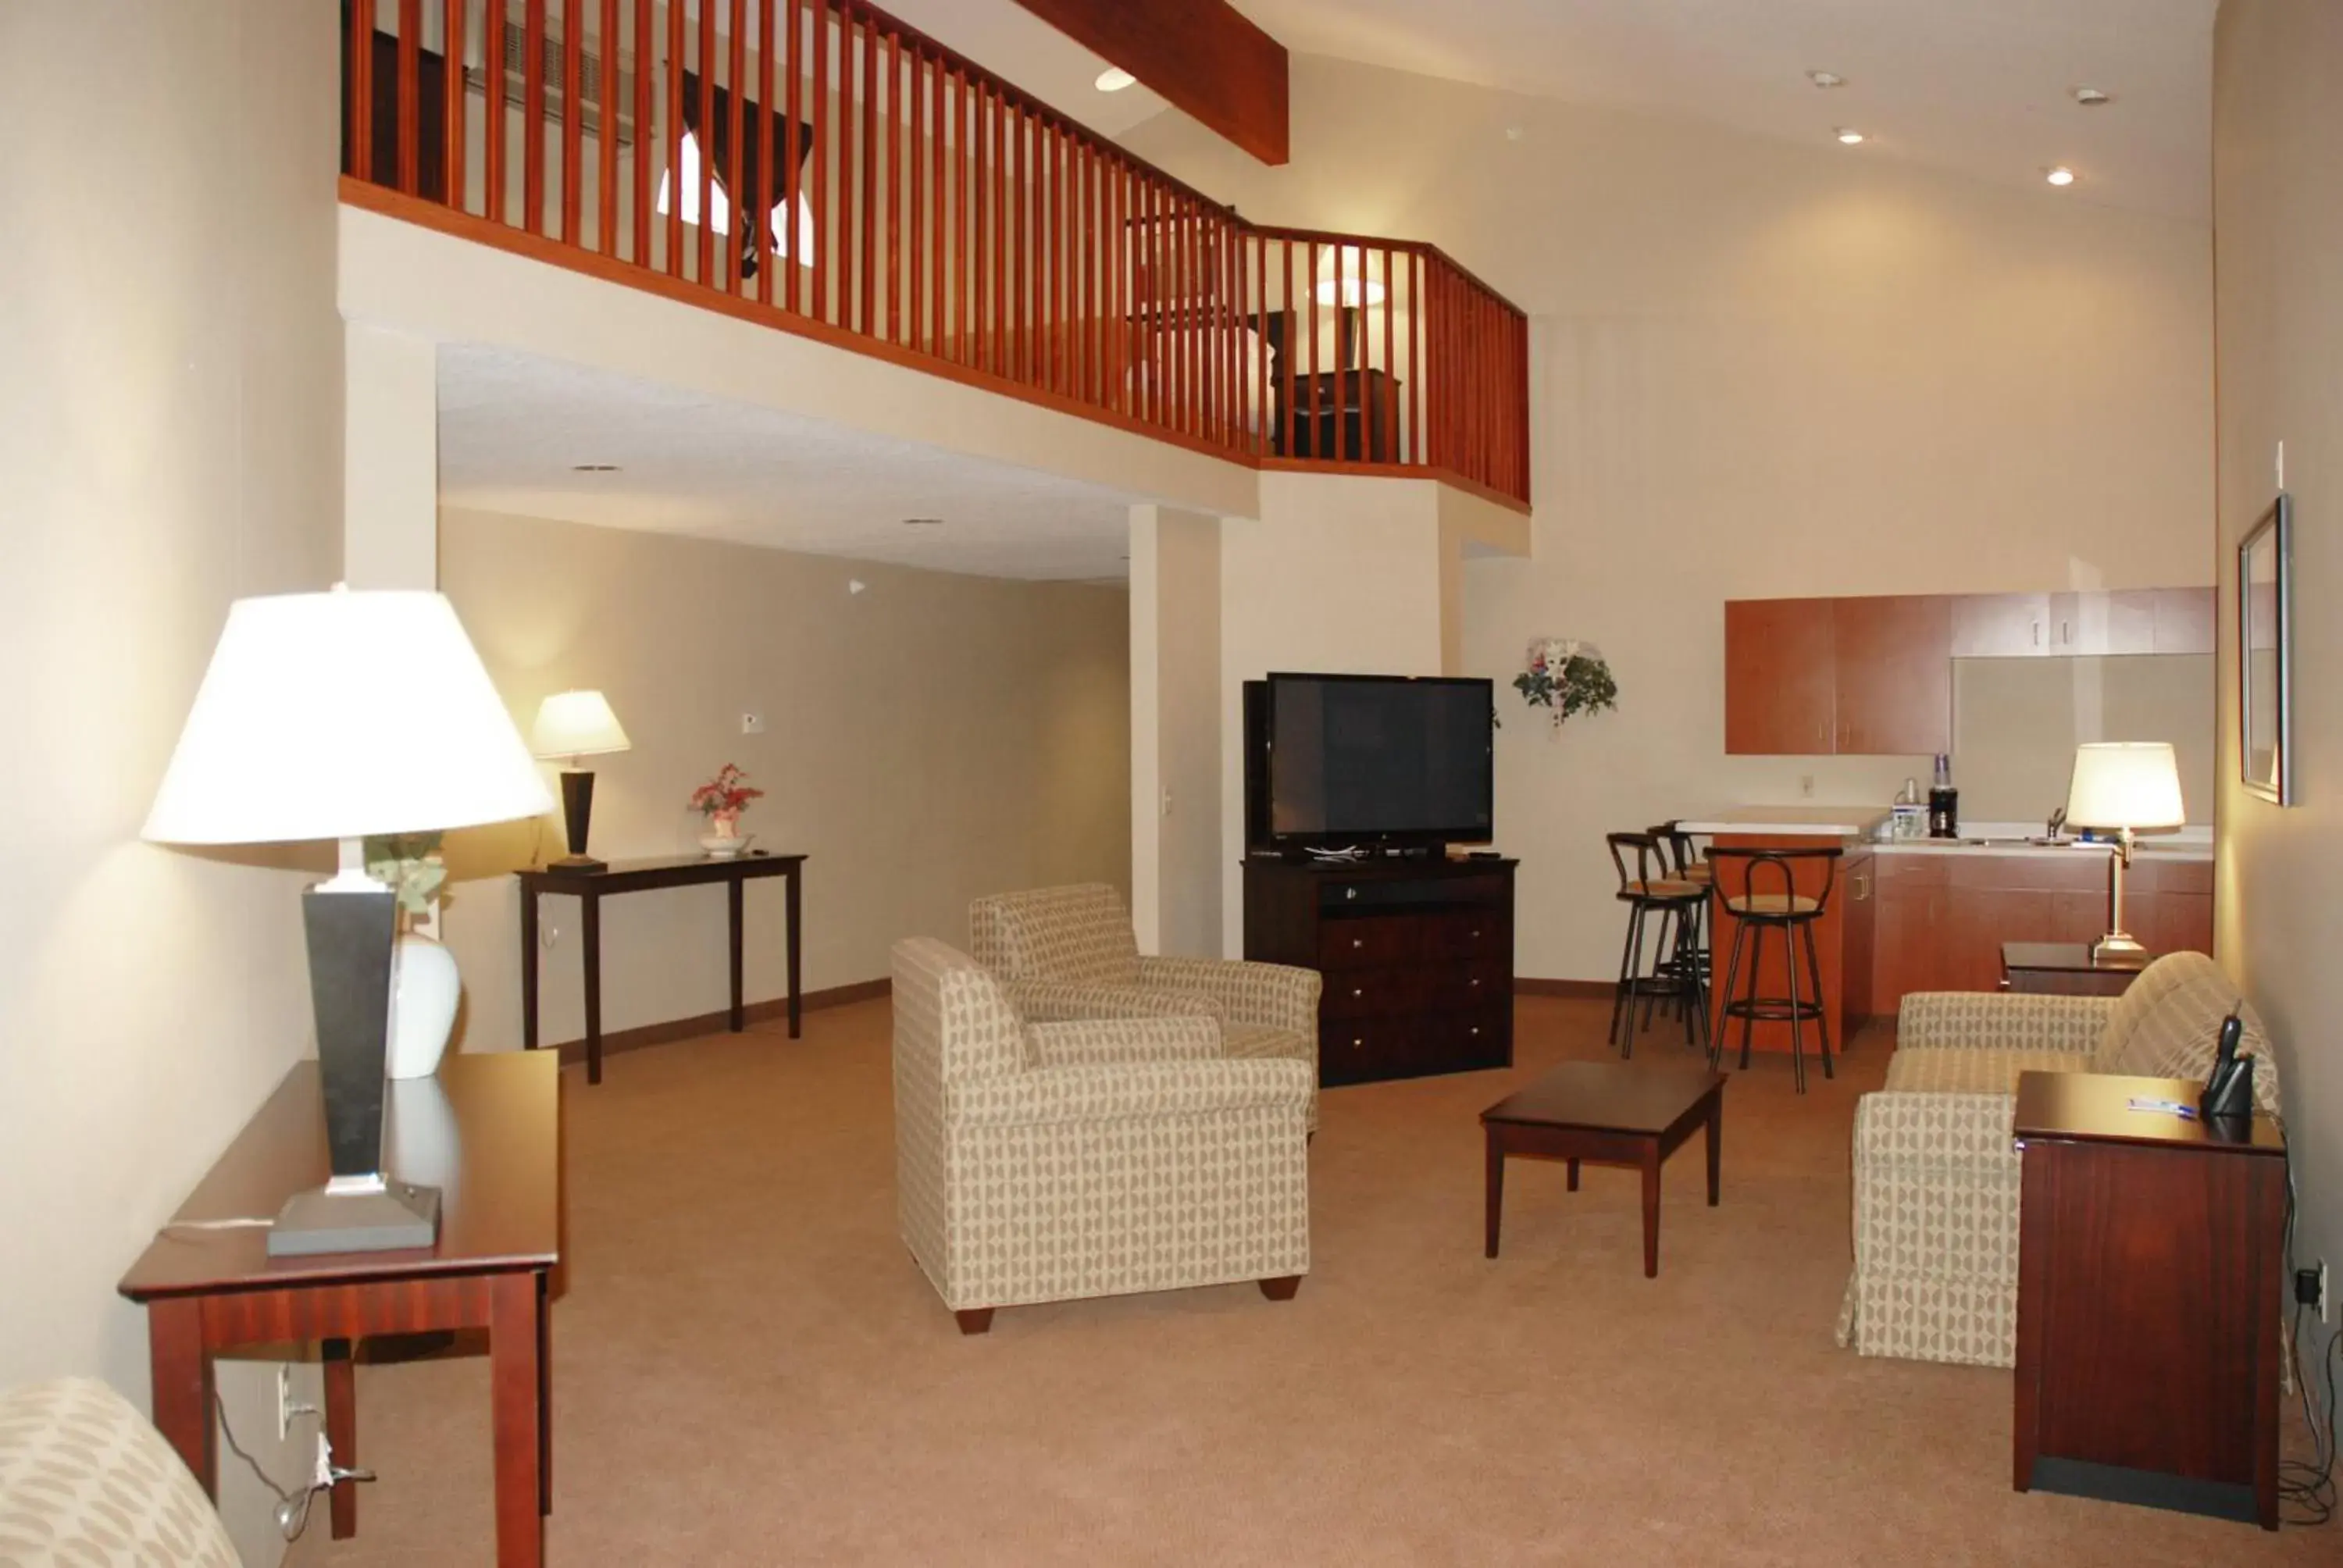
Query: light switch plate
{"x":752,"y":724}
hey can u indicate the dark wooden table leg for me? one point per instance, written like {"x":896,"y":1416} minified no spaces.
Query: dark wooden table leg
{"x":1574,"y":1175}
{"x":1496,"y":1199}
{"x":732,"y":911}
{"x":182,"y":1369}
{"x":340,"y":1365}
{"x":791,"y":894}
{"x":545,"y":1392}
{"x":528,"y":967}
{"x":590,"y":910}
{"x":1716,"y":1144}
{"x":513,"y":1369}
{"x":1652,"y":1211}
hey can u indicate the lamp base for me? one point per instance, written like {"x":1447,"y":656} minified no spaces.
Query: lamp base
{"x":2117,"y":945}
{"x":581,"y":863}
{"x":392,"y":1217}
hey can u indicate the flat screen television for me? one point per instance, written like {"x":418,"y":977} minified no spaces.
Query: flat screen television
{"x":1367,"y":761}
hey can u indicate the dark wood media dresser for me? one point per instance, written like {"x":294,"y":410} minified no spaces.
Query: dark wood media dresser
{"x":1418,"y":956}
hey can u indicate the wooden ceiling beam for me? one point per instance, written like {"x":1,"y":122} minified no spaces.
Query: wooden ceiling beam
{"x":1202,"y":55}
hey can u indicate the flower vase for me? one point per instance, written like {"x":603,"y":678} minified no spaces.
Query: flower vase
{"x":425,"y":990}
{"x":723,"y":839}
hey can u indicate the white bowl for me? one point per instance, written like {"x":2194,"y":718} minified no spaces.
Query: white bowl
{"x":723,"y":848}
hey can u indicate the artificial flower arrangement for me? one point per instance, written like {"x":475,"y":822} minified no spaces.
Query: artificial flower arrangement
{"x":1567,"y":676}
{"x":723,"y":797}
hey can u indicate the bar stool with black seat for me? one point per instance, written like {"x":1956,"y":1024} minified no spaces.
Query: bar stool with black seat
{"x":1675,"y":975}
{"x":1759,"y":889}
{"x":1686,"y":863}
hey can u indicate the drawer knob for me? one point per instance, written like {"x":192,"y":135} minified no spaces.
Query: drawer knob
{"x":1356,"y":1043}
{"x":1350,"y":892}
{"x":1476,"y":934}
{"x":1356,"y":943}
{"x":1476,"y":985}
{"x":1474,"y":1029}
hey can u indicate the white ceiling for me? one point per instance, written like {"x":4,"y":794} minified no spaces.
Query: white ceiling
{"x":513,"y":425}
{"x":1981,"y":86}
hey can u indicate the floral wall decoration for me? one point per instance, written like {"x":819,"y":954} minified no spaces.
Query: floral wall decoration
{"x":1567,"y":676}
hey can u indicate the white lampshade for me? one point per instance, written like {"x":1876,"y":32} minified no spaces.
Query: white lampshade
{"x":338,"y":716}
{"x":2132,"y":784}
{"x":1348,"y":275}
{"x":576,"y":724}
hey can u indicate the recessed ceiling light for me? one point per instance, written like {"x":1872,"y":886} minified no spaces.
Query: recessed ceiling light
{"x":1114,"y":79}
{"x":593,"y":468}
{"x":2090,"y":97}
{"x":923,"y":522}
{"x":1826,"y":78}
{"x":2060,"y":176}
{"x":1849,"y":134}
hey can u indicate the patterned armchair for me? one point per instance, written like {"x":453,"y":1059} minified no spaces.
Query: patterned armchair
{"x":83,"y":1478}
{"x":1936,"y":1174}
{"x":1050,"y":1161}
{"x":1070,"y":953}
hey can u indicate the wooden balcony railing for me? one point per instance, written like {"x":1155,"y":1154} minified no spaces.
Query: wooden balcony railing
{"x":821,"y":166}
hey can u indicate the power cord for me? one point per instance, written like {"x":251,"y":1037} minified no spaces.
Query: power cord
{"x":292,"y":1509}
{"x":2309,"y":1484}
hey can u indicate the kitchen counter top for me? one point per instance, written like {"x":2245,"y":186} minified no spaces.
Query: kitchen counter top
{"x":2146,"y":848}
{"x":1816,"y":821}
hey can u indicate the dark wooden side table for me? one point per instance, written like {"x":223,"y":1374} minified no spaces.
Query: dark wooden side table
{"x":2067,"y":969}
{"x":589,"y":885}
{"x":486,"y":1131}
{"x":1607,"y":1113}
{"x":2150,"y":1270}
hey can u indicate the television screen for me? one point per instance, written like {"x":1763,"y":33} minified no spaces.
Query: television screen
{"x":1367,"y":759}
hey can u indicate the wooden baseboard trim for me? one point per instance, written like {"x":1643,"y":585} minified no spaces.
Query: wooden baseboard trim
{"x":707,"y":1023}
{"x":1577,"y":990}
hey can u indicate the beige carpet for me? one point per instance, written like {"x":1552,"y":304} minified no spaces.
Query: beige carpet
{"x":748,"y":1370}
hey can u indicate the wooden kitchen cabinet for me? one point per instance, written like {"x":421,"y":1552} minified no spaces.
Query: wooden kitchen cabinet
{"x":1893,"y":665}
{"x":2082,"y":624}
{"x":1860,"y":942}
{"x":2185,"y":620}
{"x":1780,"y":683}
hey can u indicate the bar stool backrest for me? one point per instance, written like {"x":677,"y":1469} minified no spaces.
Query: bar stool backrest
{"x":1651,"y":861}
{"x":1745,"y":876}
{"x":1682,"y":856}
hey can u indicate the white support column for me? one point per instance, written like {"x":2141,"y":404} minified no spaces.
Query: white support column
{"x":1175,"y":731}
{"x":391,"y":459}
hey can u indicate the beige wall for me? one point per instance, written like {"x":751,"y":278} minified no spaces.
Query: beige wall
{"x":929,"y":739}
{"x":170,"y":407}
{"x":1760,"y":369}
{"x":2278,"y":158}
{"x":1175,"y":731}
{"x":2016,"y":722}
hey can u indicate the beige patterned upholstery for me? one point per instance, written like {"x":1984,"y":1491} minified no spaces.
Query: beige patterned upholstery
{"x":1068,"y":953}
{"x":86,"y":1481}
{"x":1935,"y":1176}
{"x":1052,"y":1161}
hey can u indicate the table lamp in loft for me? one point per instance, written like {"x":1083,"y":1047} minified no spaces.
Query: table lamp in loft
{"x":345,"y":716}
{"x":2125,"y":788}
{"x":571,"y":726}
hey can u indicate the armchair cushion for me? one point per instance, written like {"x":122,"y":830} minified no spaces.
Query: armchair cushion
{"x":1964,"y":1073}
{"x":1080,"y":933}
{"x":1114,"y":1039}
{"x":1148,"y":1090}
{"x":1058,"y":1001}
{"x":2000,"y":1020}
{"x":83,"y":1478}
{"x":2167,"y":1022}
{"x":1270,"y":995}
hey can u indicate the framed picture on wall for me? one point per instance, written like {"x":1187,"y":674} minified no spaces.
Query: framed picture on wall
{"x":2266,"y":653}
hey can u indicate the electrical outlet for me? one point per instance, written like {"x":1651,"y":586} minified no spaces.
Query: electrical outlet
{"x":1167,"y":800}
{"x":283,"y":1400}
{"x":2325,"y":1300}
{"x":752,"y":724}
{"x":1807,"y":785}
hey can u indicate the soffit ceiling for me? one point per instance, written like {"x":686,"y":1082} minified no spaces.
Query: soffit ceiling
{"x":514,"y":426}
{"x":1980,"y":86}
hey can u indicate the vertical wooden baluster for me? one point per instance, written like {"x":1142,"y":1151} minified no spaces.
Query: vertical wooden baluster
{"x":1004,"y":353}
{"x":976,"y":321}
{"x":1190,"y":406}
{"x":1289,"y":361}
{"x":867,"y":313}
{"x":1256,"y":391}
{"x":744,"y":209}
{"x":1052,"y":227}
{"x":851,"y":162}
{"x":1018,"y":172}
{"x":1150,"y":296}
{"x":919,"y":195}
{"x":1063,"y":152}
{"x":767,"y":227}
{"x":645,"y":136}
{"x":360,"y":133}
{"x":963,"y":138}
{"x":1318,"y":442}
{"x":605,"y":138}
{"x":1121,"y":357}
{"x":493,"y":109}
{"x":793,"y":153}
{"x":894,"y":186}
{"x":532,"y":116}
{"x":1388,"y":439}
{"x":409,"y":89}
{"x":573,"y":114}
{"x":821,"y":154}
{"x":938,"y":275}
{"x":452,"y":97}
{"x":705,"y":60}
{"x":1418,"y":360}
{"x":671,"y":142}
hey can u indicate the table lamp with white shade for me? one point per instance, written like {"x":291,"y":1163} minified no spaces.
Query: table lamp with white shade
{"x":345,"y":716}
{"x":571,"y":725}
{"x":2126,"y":787}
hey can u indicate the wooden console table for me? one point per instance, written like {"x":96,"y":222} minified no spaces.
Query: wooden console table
{"x":486,"y":1131}
{"x":589,"y":885}
{"x":2067,"y":969}
{"x":2151,"y":1259}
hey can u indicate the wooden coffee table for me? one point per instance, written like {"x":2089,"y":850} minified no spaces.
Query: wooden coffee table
{"x":1607,"y":1113}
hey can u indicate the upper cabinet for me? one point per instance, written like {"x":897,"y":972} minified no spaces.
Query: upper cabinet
{"x":1814,"y":677}
{"x":1874,"y":677}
